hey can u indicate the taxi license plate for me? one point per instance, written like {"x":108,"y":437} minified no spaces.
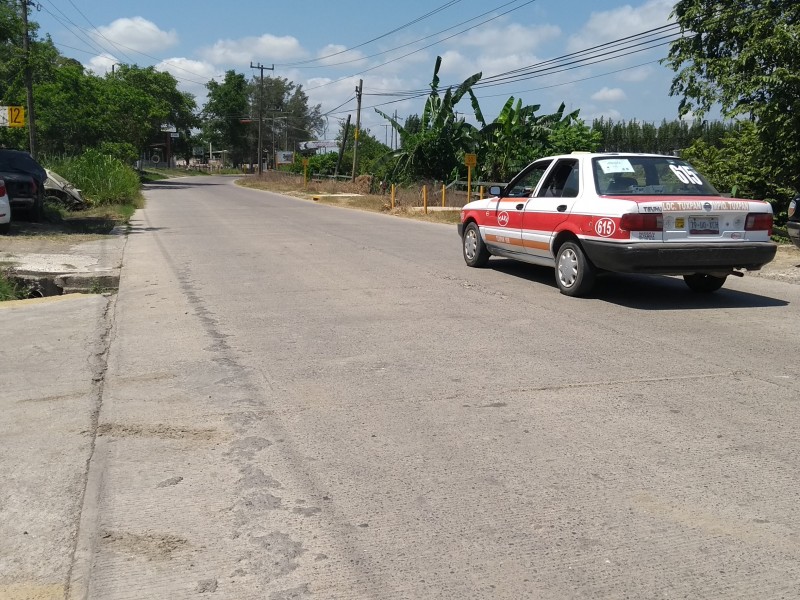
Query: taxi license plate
{"x":704,"y":225}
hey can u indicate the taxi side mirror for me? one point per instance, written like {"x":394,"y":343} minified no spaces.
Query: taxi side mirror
{"x":494,"y":190}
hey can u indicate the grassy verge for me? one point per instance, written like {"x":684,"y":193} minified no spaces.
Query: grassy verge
{"x":408,"y":201}
{"x":9,"y":290}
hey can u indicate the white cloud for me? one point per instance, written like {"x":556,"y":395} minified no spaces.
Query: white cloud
{"x":621,"y":22}
{"x":605,"y":113}
{"x":636,"y":75}
{"x":186,"y":68}
{"x":136,"y":34}
{"x":245,"y":50}
{"x":515,"y":39}
{"x":609,"y":95}
{"x":336,"y":55}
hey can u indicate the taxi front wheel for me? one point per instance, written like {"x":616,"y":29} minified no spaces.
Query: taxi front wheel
{"x":704,"y":283}
{"x":575,"y":275}
{"x":475,"y":252}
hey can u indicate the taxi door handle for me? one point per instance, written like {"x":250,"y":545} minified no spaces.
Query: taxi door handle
{"x":520,"y":206}
{"x":561,"y":207}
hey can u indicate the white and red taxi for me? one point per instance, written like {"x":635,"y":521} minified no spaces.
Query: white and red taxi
{"x":585,"y":213}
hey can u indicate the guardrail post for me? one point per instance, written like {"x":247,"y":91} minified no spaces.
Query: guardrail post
{"x":392,"y":196}
{"x":425,"y":198}
{"x":444,"y":191}
{"x":480,"y":194}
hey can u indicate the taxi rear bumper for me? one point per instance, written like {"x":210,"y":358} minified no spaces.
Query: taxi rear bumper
{"x":678,"y":258}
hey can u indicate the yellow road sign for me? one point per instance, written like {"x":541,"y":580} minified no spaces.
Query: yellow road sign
{"x":471,"y":160}
{"x":12,"y":116}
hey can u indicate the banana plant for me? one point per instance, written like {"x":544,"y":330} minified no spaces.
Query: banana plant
{"x":435,"y":152}
{"x":516,"y":137}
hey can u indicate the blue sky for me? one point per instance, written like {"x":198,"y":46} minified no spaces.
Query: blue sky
{"x":328,"y":46}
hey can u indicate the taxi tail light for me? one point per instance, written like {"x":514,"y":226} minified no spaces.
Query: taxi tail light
{"x":641,"y":222}
{"x":759,"y":222}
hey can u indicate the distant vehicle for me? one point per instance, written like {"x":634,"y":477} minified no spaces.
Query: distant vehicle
{"x":793,"y":224}
{"x":5,"y":209}
{"x":586,"y":214}
{"x":64,"y":193}
{"x":24,"y":178}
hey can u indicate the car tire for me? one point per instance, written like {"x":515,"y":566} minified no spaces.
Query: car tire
{"x":575,"y":275}
{"x":703,"y":283}
{"x":475,"y":252}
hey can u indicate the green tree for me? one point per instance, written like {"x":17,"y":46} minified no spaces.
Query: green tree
{"x":226,"y":107}
{"x":288,"y":118}
{"x":738,"y":165}
{"x":571,"y":137}
{"x":745,"y":57}
{"x":371,"y":153}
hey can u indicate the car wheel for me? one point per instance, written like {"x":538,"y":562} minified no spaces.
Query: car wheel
{"x":704,"y":283}
{"x":575,"y":275}
{"x":475,"y":252}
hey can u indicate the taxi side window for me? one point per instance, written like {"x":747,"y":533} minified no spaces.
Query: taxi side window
{"x":562,"y":182}
{"x":524,"y":187}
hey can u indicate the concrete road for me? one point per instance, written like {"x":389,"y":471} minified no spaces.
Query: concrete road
{"x":310,"y":402}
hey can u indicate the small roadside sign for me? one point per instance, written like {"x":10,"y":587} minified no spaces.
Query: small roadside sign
{"x":174,"y":134}
{"x":12,"y":116}
{"x":471,"y":160}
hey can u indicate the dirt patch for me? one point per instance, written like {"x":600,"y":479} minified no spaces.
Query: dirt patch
{"x":148,"y":545}
{"x":785,"y":267}
{"x":158,"y":431}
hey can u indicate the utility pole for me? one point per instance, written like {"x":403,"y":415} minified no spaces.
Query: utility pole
{"x":26,"y":49}
{"x":260,"y":118}
{"x":341,"y":150}
{"x":358,"y":124}
{"x":394,"y":135}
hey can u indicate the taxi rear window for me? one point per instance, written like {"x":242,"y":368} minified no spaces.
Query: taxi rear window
{"x":648,"y":176}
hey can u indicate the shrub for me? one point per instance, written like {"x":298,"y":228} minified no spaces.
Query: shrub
{"x":101,"y":178}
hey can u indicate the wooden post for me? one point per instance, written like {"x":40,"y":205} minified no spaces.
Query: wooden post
{"x":480,"y":194}
{"x":469,"y":184}
{"x":425,"y":198}
{"x":444,"y":191}
{"x":392,"y":196}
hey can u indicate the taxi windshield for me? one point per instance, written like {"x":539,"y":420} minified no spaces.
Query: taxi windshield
{"x":648,"y":176}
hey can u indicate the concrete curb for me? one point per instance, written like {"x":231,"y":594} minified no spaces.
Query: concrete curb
{"x":99,"y":265}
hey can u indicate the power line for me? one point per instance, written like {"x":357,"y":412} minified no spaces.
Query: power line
{"x":422,"y":48}
{"x":527,"y":73}
{"x":375,"y":39}
{"x":422,"y":39}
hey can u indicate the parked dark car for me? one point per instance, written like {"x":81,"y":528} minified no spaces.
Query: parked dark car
{"x":24,"y":178}
{"x":793,"y":224}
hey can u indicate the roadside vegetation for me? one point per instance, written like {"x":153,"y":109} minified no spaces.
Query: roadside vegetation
{"x":10,"y":290}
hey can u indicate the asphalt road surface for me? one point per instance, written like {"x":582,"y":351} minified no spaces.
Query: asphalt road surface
{"x":304,"y":401}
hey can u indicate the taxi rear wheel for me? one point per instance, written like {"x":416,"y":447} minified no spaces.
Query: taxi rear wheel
{"x":704,"y":283}
{"x":575,"y":275}
{"x":475,"y":252}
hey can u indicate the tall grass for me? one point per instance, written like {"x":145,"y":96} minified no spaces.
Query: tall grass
{"x":9,"y":290}
{"x":101,"y":178}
